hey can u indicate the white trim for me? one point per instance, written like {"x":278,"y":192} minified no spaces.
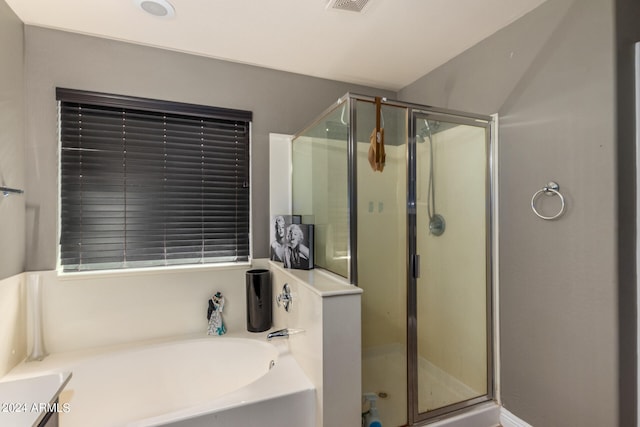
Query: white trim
{"x":280,"y":171}
{"x":507,"y":419}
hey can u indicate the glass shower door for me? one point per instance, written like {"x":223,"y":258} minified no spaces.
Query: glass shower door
{"x":382,"y":257}
{"x":449,"y":314}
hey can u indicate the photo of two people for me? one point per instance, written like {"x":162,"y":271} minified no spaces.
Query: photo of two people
{"x":291,"y":242}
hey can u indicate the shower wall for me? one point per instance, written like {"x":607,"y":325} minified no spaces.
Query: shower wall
{"x":550,"y":76}
{"x":452,"y":292}
{"x":382,"y":229}
{"x":382,"y":248}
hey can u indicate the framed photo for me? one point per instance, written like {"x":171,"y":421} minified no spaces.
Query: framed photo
{"x":298,"y":253}
{"x":277,"y":235}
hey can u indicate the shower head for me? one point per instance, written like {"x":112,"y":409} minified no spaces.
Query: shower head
{"x":420,"y":136}
{"x":424,"y":132}
{"x":428,"y":130}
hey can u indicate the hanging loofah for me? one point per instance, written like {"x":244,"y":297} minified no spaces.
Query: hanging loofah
{"x":377,"y":156}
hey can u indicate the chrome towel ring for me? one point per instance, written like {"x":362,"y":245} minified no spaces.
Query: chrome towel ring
{"x":551,"y":189}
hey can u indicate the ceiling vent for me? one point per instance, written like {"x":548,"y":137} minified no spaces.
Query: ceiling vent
{"x":350,"y":5}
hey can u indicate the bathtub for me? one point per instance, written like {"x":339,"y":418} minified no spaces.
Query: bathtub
{"x":187,"y":382}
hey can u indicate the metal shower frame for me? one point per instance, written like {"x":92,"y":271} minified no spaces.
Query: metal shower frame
{"x":435,"y":113}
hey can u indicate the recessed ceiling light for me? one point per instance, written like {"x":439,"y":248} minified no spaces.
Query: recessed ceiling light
{"x":159,"y":8}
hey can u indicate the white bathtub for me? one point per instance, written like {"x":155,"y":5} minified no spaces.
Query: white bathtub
{"x":209,"y":381}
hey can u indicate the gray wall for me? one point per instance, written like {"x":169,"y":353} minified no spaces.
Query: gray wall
{"x":12,"y":209}
{"x":550,"y":76}
{"x":281,"y":102}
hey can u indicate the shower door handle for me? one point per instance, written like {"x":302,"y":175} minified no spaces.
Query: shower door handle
{"x":415,"y":268}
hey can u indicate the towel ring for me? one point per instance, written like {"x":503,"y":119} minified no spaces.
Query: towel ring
{"x":551,"y":189}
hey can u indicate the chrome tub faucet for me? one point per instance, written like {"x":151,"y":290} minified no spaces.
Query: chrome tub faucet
{"x":282,"y":333}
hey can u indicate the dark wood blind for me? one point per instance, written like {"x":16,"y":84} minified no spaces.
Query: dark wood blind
{"x":151,"y":183}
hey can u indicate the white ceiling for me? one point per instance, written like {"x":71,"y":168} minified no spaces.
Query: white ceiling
{"x":388,"y":45}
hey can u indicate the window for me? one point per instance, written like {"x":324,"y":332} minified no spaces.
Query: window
{"x":151,"y":183}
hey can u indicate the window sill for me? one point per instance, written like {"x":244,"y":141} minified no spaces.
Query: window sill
{"x":129,"y":272}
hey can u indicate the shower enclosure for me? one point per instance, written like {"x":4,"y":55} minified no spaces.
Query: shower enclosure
{"x":416,"y":238}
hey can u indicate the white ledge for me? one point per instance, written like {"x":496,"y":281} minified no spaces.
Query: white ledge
{"x":320,"y":281}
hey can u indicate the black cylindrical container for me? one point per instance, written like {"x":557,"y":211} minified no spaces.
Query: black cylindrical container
{"x":258,"y":300}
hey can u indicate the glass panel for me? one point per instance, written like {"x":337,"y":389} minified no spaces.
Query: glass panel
{"x":451,"y":201}
{"x":382,"y":260}
{"x":320,"y":187}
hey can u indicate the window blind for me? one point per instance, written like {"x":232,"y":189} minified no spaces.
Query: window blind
{"x":151,"y":183}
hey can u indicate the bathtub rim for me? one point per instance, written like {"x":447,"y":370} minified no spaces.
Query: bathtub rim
{"x":55,"y":362}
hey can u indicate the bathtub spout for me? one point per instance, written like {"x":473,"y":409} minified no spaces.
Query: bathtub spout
{"x":282,"y":333}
